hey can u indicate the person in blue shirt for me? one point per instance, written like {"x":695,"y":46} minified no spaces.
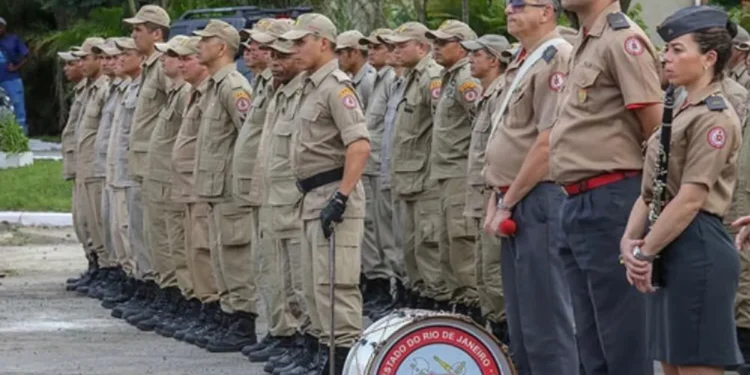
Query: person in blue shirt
{"x":13,"y":56}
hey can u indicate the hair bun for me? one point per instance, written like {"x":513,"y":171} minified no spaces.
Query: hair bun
{"x":732,"y":29}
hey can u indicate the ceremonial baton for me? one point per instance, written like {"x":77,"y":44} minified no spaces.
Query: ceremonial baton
{"x":331,"y":280}
{"x":660,"y":180}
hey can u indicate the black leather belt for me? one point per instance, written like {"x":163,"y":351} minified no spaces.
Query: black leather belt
{"x":320,"y":179}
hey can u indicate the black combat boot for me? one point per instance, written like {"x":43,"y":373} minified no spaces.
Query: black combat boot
{"x":109,"y":282}
{"x":267,"y":340}
{"x":186,"y":314}
{"x":289,"y":355}
{"x":139,"y":293}
{"x":123,"y":293}
{"x":500,"y":331}
{"x":305,"y":361}
{"x":397,"y":302}
{"x":380,"y":295}
{"x":96,"y":277}
{"x":442,"y":306}
{"x":339,"y":357}
{"x":139,"y":306}
{"x":163,"y":312}
{"x":152,"y":308}
{"x":206,"y":318}
{"x":223,"y":321}
{"x":85,"y":275}
{"x":239,"y":334}
{"x":279,"y":345}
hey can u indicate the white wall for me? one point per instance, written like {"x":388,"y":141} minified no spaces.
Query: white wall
{"x":655,"y":11}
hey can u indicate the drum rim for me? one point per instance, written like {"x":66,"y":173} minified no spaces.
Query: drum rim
{"x":425,"y":318}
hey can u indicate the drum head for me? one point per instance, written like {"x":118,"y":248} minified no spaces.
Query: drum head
{"x":441,"y":344}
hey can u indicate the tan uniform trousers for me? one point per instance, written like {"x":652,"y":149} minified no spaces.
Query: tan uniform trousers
{"x":489,"y":275}
{"x":419,"y":227}
{"x":236,"y":229}
{"x":741,"y":203}
{"x":107,"y":224}
{"x":79,"y":217}
{"x":199,"y":245}
{"x":119,"y":227}
{"x":379,"y":257}
{"x":457,"y":237}
{"x":316,"y":283}
{"x":159,"y":215}
{"x":144,"y":269}
{"x":93,"y":211}
{"x":278,"y":269}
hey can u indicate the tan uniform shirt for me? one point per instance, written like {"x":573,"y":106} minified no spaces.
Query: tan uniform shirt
{"x":741,"y":75}
{"x":159,"y":169}
{"x":114,"y":96}
{"x":69,"y":132}
{"x":151,"y":100}
{"x":451,"y":133}
{"x":412,"y":137}
{"x":614,"y":66}
{"x":329,"y":119}
{"x":225,"y":107}
{"x":117,"y":154}
{"x":282,"y":190}
{"x":705,"y":147}
{"x":531,"y":110}
{"x":89,"y":126}
{"x":184,"y":150}
{"x":487,"y":105}
{"x":245,"y":187}
{"x":375,"y":117}
{"x":364,"y":84}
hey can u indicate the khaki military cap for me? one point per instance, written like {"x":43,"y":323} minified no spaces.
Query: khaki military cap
{"x":262,"y":24}
{"x":150,"y":13}
{"x":185,"y":47}
{"x":87,"y":48}
{"x":405,"y":32}
{"x":67,"y":56}
{"x":125,"y":44}
{"x":275,"y":29}
{"x":221,"y":30}
{"x":350,"y":39}
{"x":742,"y":40}
{"x":497,"y":45}
{"x":373,"y":38}
{"x":175,"y":41}
{"x":312,"y":23}
{"x":108,"y":48}
{"x":280,"y":45}
{"x":452,"y":29}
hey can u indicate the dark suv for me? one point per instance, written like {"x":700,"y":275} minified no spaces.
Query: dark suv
{"x":243,"y":17}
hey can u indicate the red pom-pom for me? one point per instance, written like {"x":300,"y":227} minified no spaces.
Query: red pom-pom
{"x":508,"y":227}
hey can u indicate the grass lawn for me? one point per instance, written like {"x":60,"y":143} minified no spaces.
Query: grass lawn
{"x":39,"y":187}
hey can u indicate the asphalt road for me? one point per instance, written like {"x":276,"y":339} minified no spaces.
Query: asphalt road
{"x":45,"y":330}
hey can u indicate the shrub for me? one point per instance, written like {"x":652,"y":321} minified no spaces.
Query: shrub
{"x":12,"y":138}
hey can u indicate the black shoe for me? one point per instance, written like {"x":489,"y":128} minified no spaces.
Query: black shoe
{"x":186,"y":314}
{"x":240,"y":334}
{"x":221,"y":321}
{"x":286,"y":358}
{"x":125,"y":292}
{"x":267,"y":340}
{"x":276,"y":347}
{"x":500,"y":331}
{"x":442,"y":306}
{"x":380,"y":295}
{"x":301,"y":359}
{"x":140,"y":305}
{"x":339,"y":357}
{"x":205,"y":317}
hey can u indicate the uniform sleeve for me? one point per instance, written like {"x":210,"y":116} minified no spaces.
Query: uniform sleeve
{"x":468,"y":93}
{"x":711,"y":140}
{"x":238,"y":101}
{"x":634,"y":68}
{"x":347,"y":114}
{"x":548,"y":88}
{"x":432,"y":94}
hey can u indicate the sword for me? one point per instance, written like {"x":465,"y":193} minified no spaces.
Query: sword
{"x":331,"y":280}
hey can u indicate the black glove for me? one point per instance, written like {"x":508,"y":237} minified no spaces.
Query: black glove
{"x":333,"y":212}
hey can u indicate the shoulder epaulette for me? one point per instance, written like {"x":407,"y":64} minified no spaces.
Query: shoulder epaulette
{"x":549,"y":54}
{"x":341,"y":76}
{"x":618,"y":21}
{"x":716,"y":103}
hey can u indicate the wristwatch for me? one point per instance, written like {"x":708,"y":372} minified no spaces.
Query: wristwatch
{"x":503,"y":206}
{"x":638,"y":254}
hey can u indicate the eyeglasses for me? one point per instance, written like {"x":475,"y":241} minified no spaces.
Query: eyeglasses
{"x":520,"y":5}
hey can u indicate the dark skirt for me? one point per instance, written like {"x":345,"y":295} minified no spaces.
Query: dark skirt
{"x":691,"y":319}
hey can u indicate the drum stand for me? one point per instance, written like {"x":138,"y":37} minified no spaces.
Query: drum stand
{"x":331,"y":280}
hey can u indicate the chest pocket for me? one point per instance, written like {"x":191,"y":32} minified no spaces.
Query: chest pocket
{"x":518,"y":115}
{"x":583,"y":84}
{"x":258,"y":110}
{"x":130,"y":100}
{"x":308,"y":116}
{"x":149,"y":93}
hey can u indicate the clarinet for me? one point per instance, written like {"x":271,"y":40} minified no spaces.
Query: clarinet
{"x":660,"y":180}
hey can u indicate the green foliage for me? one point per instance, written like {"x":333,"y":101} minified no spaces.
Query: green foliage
{"x":12,"y":138}
{"x":103,"y":22}
{"x":37,"y":187}
{"x":398,"y":12}
{"x":636,"y":14}
{"x":485,"y":16}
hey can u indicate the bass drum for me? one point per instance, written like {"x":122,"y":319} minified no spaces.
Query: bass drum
{"x":420,"y":342}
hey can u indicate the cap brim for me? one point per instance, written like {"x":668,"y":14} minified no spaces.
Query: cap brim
{"x":67,"y":56}
{"x":471,"y":45}
{"x":133,"y":21}
{"x":393,"y":39}
{"x":162,"y":47}
{"x":743,"y":46}
{"x":437,"y":34}
{"x":277,"y":48}
{"x":368,"y":41}
{"x":261,"y":37}
{"x":295,"y":34}
{"x":81,"y":53}
{"x":203,"y":34}
{"x":182,"y":51}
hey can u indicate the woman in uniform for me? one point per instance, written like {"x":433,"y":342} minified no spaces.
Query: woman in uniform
{"x":690,"y":319}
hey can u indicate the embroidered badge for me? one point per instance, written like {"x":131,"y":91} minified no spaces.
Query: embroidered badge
{"x":349,"y":101}
{"x":717,"y":137}
{"x":582,"y":95}
{"x":435,"y":88}
{"x":470,"y":96}
{"x":633,"y":46}
{"x":242,"y":104}
{"x":557,"y":81}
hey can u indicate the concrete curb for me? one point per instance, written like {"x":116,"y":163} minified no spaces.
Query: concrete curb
{"x":51,"y":219}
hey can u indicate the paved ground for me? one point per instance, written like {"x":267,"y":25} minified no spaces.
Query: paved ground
{"x":47,"y":331}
